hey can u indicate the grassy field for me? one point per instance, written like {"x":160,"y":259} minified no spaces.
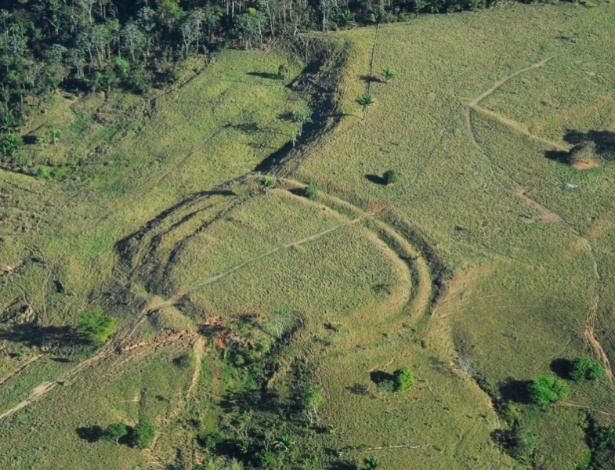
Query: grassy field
{"x":486,"y":263}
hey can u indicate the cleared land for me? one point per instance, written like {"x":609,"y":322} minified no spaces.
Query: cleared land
{"x":489,"y":260}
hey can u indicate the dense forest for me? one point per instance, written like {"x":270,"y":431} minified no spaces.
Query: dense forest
{"x":88,"y":45}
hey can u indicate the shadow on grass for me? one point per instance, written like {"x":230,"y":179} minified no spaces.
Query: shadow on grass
{"x":358,"y":389}
{"x":379,"y":376}
{"x":604,"y":142}
{"x":517,"y":391}
{"x":370,"y":79}
{"x":90,"y":434}
{"x":558,"y":156}
{"x":343,"y":465}
{"x":268,"y":75}
{"x":36,"y":335}
{"x":561,"y":367}
{"x":376,"y":179}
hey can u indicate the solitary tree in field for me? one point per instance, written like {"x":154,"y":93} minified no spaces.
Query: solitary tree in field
{"x":282,"y":72}
{"x":390,"y":177}
{"x":96,"y":326}
{"x":365,"y":100}
{"x":404,"y":379}
{"x":116,"y":431}
{"x":10,"y":143}
{"x":312,"y":399}
{"x":145,"y":432}
{"x":55,"y":135}
{"x":370,"y":463}
{"x":302,"y":116}
{"x":545,"y":389}
{"x":584,"y":368}
{"x":311,"y":192}
{"x":389,"y":74}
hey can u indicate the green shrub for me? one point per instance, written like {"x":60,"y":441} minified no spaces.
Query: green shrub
{"x":283,"y":72}
{"x":389,"y":74}
{"x":386,"y":385}
{"x":545,"y":389}
{"x":509,"y":413}
{"x":184,"y":361}
{"x":370,"y":463}
{"x":42,"y":173}
{"x":404,"y":379}
{"x":390,"y":177}
{"x":365,"y":100}
{"x":311,"y":192}
{"x":522,"y":443}
{"x":585,"y":368}
{"x":267,"y":181}
{"x":96,"y":326}
{"x":114,"y":432}
{"x":144,"y":434}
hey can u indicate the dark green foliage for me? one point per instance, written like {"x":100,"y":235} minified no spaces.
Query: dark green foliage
{"x":404,"y":379}
{"x":370,"y":463}
{"x":184,"y":361}
{"x":509,"y":412}
{"x":96,"y":327}
{"x":522,"y":443}
{"x":366,"y":100}
{"x":137,"y":45}
{"x":601,"y":441}
{"x":585,"y":368}
{"x":144,"y":434}
{"x":545,"y":389}
{"x":283,"y":72}
{"x":114,"y":432}
{"x":386,"y":385}
{"x":9,"y":144}
{"x":267,"y":181}
{"x":302,"y":116}
{"x":390,"y":177}
{"x":389,"y":74}
{"x":311,"y":192}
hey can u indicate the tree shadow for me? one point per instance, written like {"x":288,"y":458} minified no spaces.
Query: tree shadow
{"x":63,"y":360}
{"x":343,"y":465}
{"x":517,"y":391}
{"x":90,"y":434}
{"x":268,"y":75}
{"x":258,"y":399}
{"x":30,"y":139}
{"x":561,"y":367}
{"x":36,"y":335}
{"x":604,"y":142}
{"x":376,"y":179}
{"x":358,"y":389}
{"x":287,"y":116}
{"x":370,"y":79}
{"x":379,"y":376}
{"x":558,"y":156}
{"x":247,"y":127}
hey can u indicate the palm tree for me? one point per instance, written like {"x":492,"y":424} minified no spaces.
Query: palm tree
{"x":55,"y":135}
{"x":389,"y":74}
{"x":365,"y":100}
{"x":370,"y":463}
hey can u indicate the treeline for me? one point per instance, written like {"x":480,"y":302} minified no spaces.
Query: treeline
{"x":101,"y":44}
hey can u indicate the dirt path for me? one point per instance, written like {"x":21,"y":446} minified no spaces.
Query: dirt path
{"x":198,"y":350}
{"x":546,"y":215}
{"x":590,"y":322}
{"x":21,"y":367}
